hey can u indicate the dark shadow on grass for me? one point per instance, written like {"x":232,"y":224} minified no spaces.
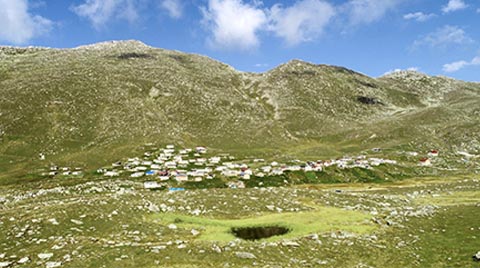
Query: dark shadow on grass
{"x":257,"y":233}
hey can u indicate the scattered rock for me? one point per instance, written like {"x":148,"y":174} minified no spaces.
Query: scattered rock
{"x":195,"y":232}
{"x":23,"y":260}
{"x":476,"y":257}
{"x":153,"y":208}
{"x":5,"y":263}
{"x":154,"y":92}
{"x":77,"y":222}
{"x":313,"y":237}
{"x":216,"y":248}
{"x":290,"y":244}
{"x":53,"y":264}
{"x":245,"y":255}
{"x":45,"y":256}
{"x":172,"y":226}
{"x":53,"y":221}
{"x":156,"y":249}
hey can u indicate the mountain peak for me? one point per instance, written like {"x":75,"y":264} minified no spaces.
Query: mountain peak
{"x":403,"y":74}
{"x":122,"y":44}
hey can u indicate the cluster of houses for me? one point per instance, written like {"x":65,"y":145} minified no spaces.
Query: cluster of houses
{"x":54,"y":171}
{"x":427,"y":161}
{"x":195,"y":165}
{"x":168,"y":163}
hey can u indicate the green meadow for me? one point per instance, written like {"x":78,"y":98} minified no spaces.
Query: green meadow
{"x":300,"y":224}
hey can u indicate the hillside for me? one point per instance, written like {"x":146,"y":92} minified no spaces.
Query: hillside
{"x":94,"y":104}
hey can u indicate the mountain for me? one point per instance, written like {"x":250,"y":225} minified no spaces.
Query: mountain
{"x":94,"y":104}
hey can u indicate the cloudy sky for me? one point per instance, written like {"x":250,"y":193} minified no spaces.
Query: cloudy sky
{"x":440,"y":37}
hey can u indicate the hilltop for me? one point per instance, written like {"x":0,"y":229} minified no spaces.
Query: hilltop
{"x":97,"y":103}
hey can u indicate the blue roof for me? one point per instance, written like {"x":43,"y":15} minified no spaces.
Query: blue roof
{"x":176,"y":189}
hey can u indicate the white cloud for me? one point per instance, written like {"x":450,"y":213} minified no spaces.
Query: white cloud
{"x":458,"y":65}
{"x":99,"y":12}
{"x":444,"y":36}
{"x":454,"y":66}
{"x":234,"y":24}
{"x":18,"y":25}
{"x":368,"y":11}
{"x":302,"y":22}
{"x":410,"y":69}
{"x":475,"y":61}
{"x":418,"y":16}
{"x":454,"y":5}
{"x":173,"y":7}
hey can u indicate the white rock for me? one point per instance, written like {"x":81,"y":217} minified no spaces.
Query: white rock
{"x":195,"y":232}
{"x":172,"y":226}
{"x":45,"y":256}
{"x":196,"y":212}
{"x":245,"y":255}
{"x":53,"y":264}
{"x":5,"y":263}
{"x":290,"y":244}
{"x":53,"y":221}
{"x":153,"y":208}
{"x":313,"y":236}
{"x":77,"y":222}
{"x":23,"y":260}
{"x":216,"y":249}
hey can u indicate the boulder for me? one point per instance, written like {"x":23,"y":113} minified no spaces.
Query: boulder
{"x":245,"y":255}
{"x":290,"y":244}
{"x":5,"y":263}
{"x":476,"y":257}
{"x":45,"y":256}
{"x":53,"y":264}
{"x":195,"y":232}
{"x":23,"y":260}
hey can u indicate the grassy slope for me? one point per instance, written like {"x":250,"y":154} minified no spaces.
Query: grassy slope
{"x":323,"y":219}
{"x":92,"y":105}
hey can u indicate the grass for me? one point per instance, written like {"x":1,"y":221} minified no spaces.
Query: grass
{"x":452,"y":199}
{"x":322,"y":219}
{"x":447,"y":238}
{"x":51,"y":99}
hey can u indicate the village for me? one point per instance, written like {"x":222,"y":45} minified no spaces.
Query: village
{"x":170,"y":166}
{"x":193,"y":165}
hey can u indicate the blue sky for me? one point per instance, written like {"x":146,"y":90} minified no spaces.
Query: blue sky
{"x":440,"y":37}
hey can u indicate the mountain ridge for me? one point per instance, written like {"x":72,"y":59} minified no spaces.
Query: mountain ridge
{"x":92,"y":106}
{"x":136,"y":44}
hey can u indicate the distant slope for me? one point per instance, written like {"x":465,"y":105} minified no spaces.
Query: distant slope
{"x":96,"y":103}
